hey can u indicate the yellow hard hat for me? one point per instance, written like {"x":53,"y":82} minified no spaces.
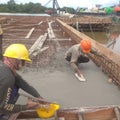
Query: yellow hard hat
{"x":18,"y":51}
{"x":47,"y":112}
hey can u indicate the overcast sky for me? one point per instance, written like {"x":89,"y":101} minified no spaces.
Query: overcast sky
{"x":70,"y":3}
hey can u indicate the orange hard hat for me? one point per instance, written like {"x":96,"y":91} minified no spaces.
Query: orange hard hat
{"x":85,"y":45}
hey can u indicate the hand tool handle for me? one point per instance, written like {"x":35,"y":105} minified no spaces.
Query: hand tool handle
{"x":36,"y":99}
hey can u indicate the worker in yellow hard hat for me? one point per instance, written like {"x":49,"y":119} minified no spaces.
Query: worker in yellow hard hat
{"x":14,"y":58}
{"x":78,"y":54}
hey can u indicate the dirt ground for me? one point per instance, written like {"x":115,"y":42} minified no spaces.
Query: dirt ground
{"x":52,"y":75}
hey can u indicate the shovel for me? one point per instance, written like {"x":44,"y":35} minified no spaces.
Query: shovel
{"x":44,"y":112}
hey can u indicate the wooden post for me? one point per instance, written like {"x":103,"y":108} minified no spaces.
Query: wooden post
{"x":117,"y":113}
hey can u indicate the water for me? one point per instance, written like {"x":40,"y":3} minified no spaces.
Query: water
{"x":116,"y":47}
{"x":101,"y":37}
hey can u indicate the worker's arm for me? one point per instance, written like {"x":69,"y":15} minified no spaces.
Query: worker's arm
{"x":21,"y":83}
{"x":74,"y":57}
{"x":7,"y":82}
{"x":5,"y":106}
{"x":75,"y":68}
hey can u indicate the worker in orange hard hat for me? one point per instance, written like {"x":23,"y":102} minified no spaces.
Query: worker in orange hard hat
{"x":15,"y":57}
{"x":78,"y":54}
{"x":85,"y":46}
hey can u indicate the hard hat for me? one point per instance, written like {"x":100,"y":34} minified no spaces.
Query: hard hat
{"x":18,"y":51}
{"x":48,"y":112}
{"x":85,"y":45}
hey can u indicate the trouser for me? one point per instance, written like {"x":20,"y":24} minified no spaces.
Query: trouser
{"x":3,"y":116}
{"x":81,"y":59}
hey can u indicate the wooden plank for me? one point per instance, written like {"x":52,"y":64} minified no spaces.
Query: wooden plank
{"x":90,"y":114}
{"x":117,"y":113}
{"x":80,"y":116}
{"x":103,"y":114}
{"x":40,"y":22}
{"x":50,"y":31}
{"x":107,"y":113}
{"x":30,"y":32}
{"x":39,"y":51}
{"x":14,"y":116}
{"x":33,"y":47}
{"x":28,"y":115}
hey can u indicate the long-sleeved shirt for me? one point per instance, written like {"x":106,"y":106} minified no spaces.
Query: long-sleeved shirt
{"x":7,"y":82}
{"x":75,"y":52}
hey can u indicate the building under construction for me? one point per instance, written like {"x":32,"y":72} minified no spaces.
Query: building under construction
{"x":47,"y":39}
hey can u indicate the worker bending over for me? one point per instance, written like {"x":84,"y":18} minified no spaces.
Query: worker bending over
{"x":10,"y":81}
{"x":78,"y":54}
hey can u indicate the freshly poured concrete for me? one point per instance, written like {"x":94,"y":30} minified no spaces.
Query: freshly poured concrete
{"x":57,"y":82}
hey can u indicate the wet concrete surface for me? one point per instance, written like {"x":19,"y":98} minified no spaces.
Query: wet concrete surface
{"x":57,"y":82}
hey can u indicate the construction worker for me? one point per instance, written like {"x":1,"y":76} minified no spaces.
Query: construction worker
{"x":78,"y":54}
{"x":14,"y":59}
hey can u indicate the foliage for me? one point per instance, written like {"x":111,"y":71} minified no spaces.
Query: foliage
{"x":109,"y":10}
{"x":68,"y":10}
{"x":12,"y":7}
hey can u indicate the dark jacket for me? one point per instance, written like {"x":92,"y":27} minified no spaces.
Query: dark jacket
{"x":7,"y":82}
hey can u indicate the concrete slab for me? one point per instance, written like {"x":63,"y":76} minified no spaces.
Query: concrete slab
{"x":57,"y":82}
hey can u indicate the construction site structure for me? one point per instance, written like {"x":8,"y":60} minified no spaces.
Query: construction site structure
{"x":55,"y":7}
{"x":44,"y":37}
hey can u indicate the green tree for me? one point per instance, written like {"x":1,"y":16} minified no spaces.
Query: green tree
{"x":11,"y":5}
{"x":69,"y":10}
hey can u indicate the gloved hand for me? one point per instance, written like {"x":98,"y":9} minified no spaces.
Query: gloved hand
{"x":79,"y":73}
{"x":43,"y":101}
{"x":80,"y":76}
{"x":32,"y":104}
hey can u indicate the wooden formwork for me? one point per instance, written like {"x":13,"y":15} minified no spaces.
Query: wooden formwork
{"x":87,"y":19}
{"x":3,"y":20}
{"x":91,"y":113}
{"x":89,"y":23}
{"x":87,"y":114}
